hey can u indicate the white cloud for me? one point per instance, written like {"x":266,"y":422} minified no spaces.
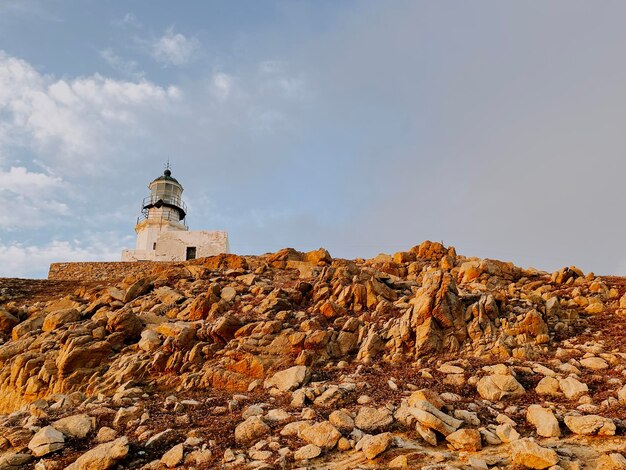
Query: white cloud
{"x":174,"y":48}
{"x":20,"y":260}
{"x":30,"y":199}
{"x":19,"y":180}
{"x":127,"y":67}
{"x":222,"y":85}
{"x":73,"y":121}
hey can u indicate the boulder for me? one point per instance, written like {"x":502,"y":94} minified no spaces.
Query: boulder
{"x":173,"y":457}
{"x":289,"y":379}
{"x":465,"y":439}
{"x":7,"y":321}
{"x":372,"y":446}
{"x":573,"y":388}
{"x":138,"y":288}
{"x":590,"y":425}
{"x":251,"y":429}
{"x":548,"y":386}
{"x":75,"y":426}
{"x":507,"y":433}
{"x":309,"y":451}
{"x":341,"y":420}
{"x":60,"y":317}
{"x":497,"y":386}
{"x":323,"y":435}
{"x":432,"y":418}
{"x":102,"y":457}
{"x":544,"y":420}
{"x":372,"y":419}
{"x":125,"y":322}
{"x":46,"y":441}
{"x":530,"y":454}
{"x":594,"y":363}
{"x":18,"y":461}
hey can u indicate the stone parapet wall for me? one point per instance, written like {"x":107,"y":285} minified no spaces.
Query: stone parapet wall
{"x":99,"y":271}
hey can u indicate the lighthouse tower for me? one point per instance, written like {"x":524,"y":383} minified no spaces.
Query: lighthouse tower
{"x":162,"y":233}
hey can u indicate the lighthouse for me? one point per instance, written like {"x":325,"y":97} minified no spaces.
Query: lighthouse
{"x":162,"y":232}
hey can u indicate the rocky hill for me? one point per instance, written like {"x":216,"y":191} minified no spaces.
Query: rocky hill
{"x":421,"y":359}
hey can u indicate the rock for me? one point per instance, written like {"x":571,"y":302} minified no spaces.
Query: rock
{"x":102,"y":457}
{"x":548,"y":386}
{"x":173,"y":457}
{"x":75,"y":426}
{"x":138,"y":288}
{"x":341,"y":420}
{"x":590,"y":424}
{"x":228,"y":294}
{"x":544,"y":420}
{"x":225,"y":328}
{"x":60,"y":317}
{"x":323,"y":435}
{"x":74,"y":357}
{"x":150,"y":341}
{"x":507,"y":433}
{"x":319,"y":256}
{"x":612,"y":461}
{"x":428,"y":395}
{"x":465,"y":439}
{"x":498,"y":386}
{"x":372,"y":419}
{"x":289,"y":379}
{"x":46,"y":441}
{"x":530,"y":454}
{"x":277,"y":415}
{"x":18,"y":461}
{"x":431,"y":418}
{"x":621,"y":393}
{"x":251,"y":429}
{"x":126,"y":415}
{"x":573,"y":388}
{"x":126,"y":323}
{"x":309,"y":451}
{"x":372,"y":446}
{"x":594,"y":363}
{"x":105,"y":434}
{"x":7,"y":321}
{"x":401,"y":461}
{"x":161,"y":439}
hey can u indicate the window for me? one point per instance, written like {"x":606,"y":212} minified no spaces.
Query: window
{"x":154,"y":246}
{"x":191,"y":252}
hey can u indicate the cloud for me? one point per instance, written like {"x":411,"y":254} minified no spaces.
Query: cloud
{"x":222,"y":86}
{"x":128,"y":20}
{"x":21,"y":260}
{"x":127,"y":67}
{"x":174,"y":48}
{"x":73,"y":121}
{"x":30,"y":199}
{"x":19,"y":180}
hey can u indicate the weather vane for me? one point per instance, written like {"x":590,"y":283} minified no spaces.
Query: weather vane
{"x":167,"y":165}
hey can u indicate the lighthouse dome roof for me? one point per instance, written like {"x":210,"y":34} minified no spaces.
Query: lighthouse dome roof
{"x":167,"y":176}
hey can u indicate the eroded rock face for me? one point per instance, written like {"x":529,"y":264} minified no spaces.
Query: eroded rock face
{"x":437,"y":317}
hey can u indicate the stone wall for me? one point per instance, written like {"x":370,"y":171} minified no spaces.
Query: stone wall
{"x":98,"y":271}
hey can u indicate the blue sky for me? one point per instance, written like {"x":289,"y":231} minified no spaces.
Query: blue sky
{"x":360,"y":126}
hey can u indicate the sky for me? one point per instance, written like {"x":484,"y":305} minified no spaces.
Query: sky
{"x":363,"y":127}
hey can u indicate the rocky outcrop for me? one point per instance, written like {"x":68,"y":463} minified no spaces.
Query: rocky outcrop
{"x":298,"y":359}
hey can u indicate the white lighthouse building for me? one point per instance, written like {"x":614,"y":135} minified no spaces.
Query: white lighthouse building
{"x":162,"y":233}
